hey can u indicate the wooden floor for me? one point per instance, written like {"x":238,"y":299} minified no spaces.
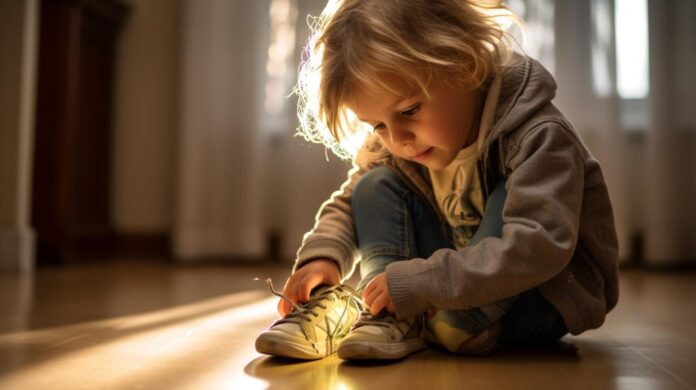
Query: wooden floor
{"x":149,"y":325}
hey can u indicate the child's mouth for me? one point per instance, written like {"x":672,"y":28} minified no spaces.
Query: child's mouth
{"x":422,"y":155}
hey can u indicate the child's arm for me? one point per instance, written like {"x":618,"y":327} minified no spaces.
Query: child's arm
{"x":552,"y":177}
{"x":328,"y":250}
{"x":333,"y":234}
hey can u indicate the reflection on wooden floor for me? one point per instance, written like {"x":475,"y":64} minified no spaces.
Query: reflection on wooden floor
{"x":150,"y":325}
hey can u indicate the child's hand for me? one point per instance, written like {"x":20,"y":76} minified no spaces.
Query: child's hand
{"x":302,"y":281}
{"x":376,"y":295}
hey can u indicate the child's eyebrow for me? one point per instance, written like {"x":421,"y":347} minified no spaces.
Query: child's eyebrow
{"x":392,"y":106}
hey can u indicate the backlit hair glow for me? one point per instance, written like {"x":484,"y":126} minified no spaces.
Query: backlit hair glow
{"x":355,"y":42}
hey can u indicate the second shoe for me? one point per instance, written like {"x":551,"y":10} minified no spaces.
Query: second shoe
{"x":382,"y":337}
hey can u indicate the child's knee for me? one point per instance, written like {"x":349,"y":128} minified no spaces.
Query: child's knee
{"x":374,"y":182}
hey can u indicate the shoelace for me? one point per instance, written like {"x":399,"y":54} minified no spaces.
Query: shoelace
{"x":383,"y":319}
{"x":305,"y":310}
{"x":269,"y":282}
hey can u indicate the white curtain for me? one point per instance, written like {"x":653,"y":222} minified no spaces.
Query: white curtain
{"x":646,"y":146}
{"x":221,"y":156}
{"x":242,"y":176}
{"x":670,"y":150}
{"x":594,"y":117}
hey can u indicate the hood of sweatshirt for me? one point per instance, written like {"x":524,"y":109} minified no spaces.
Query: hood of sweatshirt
{"x":526,"y":87}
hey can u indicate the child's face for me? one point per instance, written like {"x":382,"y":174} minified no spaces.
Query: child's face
{"x":429,"y":132}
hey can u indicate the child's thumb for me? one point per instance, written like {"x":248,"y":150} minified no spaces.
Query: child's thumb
{"x":283,"y":307}
{"x":307,"y":285}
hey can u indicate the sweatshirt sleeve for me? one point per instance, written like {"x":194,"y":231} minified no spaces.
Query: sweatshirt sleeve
{"x":333,"y":234}
{"x":541,"y":222}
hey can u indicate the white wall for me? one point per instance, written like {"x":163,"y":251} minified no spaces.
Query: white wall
{"x":300,"y":170}
{"x":18,"y":48}
{"x":670,"y":147}
{"x":221,"y":158}
{"x":302,"y":180}
{"x":146,"y":117}
{"x":297,"y":176}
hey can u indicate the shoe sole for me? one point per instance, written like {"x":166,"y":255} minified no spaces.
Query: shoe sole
{"x":379,"y":351}
{"x":274,"y":345}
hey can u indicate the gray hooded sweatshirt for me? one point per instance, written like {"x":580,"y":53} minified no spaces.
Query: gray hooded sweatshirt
{"x":558,"y":233}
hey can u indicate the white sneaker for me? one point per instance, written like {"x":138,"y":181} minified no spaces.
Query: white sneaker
{"x":312,"y":330}
{"x":382,"y":337}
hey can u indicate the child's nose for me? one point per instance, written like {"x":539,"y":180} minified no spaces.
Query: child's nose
{"x":401,"y":137}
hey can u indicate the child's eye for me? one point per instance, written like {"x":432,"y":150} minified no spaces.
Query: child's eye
{"x":379,"y":127}
{"x":411,"y":110}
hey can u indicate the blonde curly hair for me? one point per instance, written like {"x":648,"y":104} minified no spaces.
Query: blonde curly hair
{"x":355,"y":42}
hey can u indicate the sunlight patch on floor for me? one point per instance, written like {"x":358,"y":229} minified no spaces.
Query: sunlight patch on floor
{"x":140,"y":348}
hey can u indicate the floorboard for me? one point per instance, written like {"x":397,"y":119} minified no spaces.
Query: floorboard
{"x":150,"y":325}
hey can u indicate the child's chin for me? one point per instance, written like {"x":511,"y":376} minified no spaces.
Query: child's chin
{"x":433,"y":164}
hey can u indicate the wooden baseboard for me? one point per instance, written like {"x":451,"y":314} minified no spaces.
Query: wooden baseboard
{"x":17,"y":249}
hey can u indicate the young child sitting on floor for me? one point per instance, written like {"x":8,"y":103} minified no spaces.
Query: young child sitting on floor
{"x":477,"y":213}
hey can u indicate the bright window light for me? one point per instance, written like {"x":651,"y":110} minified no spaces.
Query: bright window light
{"x":282,"y":14}
{"x":631,"y":23}
{"x":602,"y":39}
{"x":539,"y":38}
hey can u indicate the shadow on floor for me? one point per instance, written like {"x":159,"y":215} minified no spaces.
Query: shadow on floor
{"x":432,"y":368}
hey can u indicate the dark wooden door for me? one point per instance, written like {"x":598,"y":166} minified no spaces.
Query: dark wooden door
{"x":72,"y":165}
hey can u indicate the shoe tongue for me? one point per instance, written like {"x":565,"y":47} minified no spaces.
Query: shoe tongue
{"x":382,"y":314}
{"x":319,"y":289}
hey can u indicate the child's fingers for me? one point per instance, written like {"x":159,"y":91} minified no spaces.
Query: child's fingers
{"x":293,"y":293}
{"x":306,"y":285}
{"x":370,"y":289}
{"x":367,"y":293}
{"x":367,"y":301}
{"x":370,"y":286}
{"x":283,"y":307}
{"x":378,"y":304}
{"x":290,"y":286}
{"x":369,"y":297}
{"x":290,"y":292}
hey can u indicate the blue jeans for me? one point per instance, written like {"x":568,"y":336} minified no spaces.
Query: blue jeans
{"x":393,"y":224}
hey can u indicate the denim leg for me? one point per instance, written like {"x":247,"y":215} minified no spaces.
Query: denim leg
{"x":492,"y":222}
{"x":451,"y":328}
{"x":532,"y":320}
{"x":392,"y":223}
{"x":528,"y":318}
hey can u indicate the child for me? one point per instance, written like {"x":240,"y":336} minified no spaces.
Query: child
{"x":478,"y":214}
